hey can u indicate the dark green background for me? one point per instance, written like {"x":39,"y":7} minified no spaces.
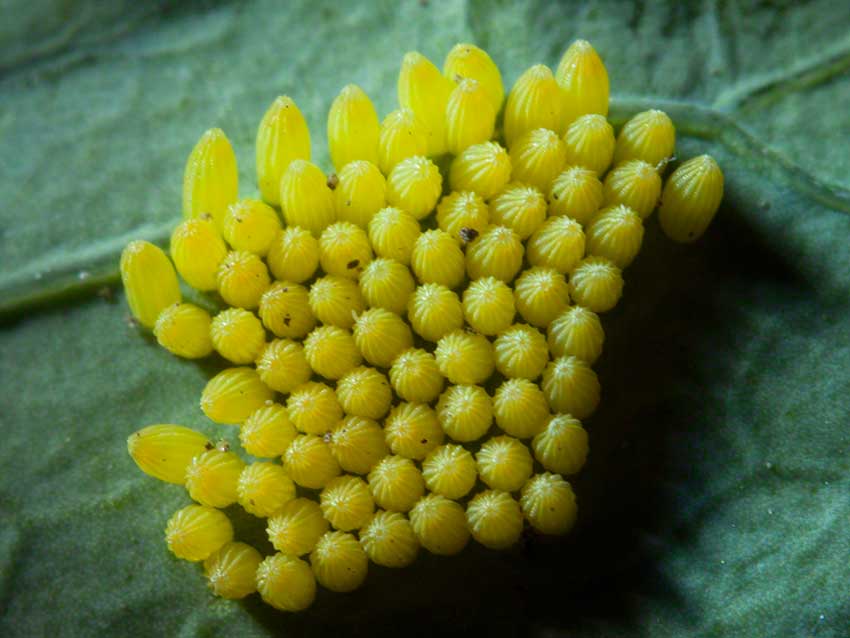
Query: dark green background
{"x":717,"y":498}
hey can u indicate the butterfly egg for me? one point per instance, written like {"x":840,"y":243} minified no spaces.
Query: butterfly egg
{"x":347,"y":503}
{"x":497,"y":252}
{"x":494,"y":519}
{"x":344,"y":250}
{"x":571,"y":387}
{"x":387,"y":283}
{"x":649,"y":136}
{"x":439,"y":525}
{"x":549,"y":503}
{"x":283,"y":366}
{"x":237,"y":335}
{"x":231,"y":570}
{"x":309,"y":462}
{"x":469,"y":61}
{"x":285,"y":309}
{"x":389,"y":540}
{"x":424,"y":90}
{"x":414,"y":185}
{"x":691,"y":198}
{"x":589,"y":141}
{"x":196,"y":531}
{"x":250,"y":225}
{"x":562,"y":445}
{"x":450,"y":471}
{"x":635,"y":184}
{"x":520,"y":207}
{"x":434,"y":311}
{"x":412,"y":430}
{"x":264,"y":488}
{"x":381,"y":336}
{"x":416,"y":377}
{"x":615,"y":233}
{"x":402,"y":135}
{"x":313,"y":408}
{"x":335,"y":301}
{"x":576,"y":193}
{"x":352,"y":127}
{"x":396,"y":484}
{"x":296,"y":527}
{"x":213,"y":476}
{"x":150,"y":282}
{"x":197,"y":250}
{"x":339,"y":563}
{"x":504,"y":463}
{"x":242,"y":279}
{"x":233,"y":394}
{"x":211,"y":179}
{"x":392,"y":233}
{"x":184,"y":330}
{"x":470,"y":116}
{"x":538,"y":156}
{"x":521,"y":352}
{"x":358,"y":444}
{"x":293,"y":255}
{"x":437,"y":258}
{"x":282,"y":137}
{"x":267,"y":432}
{"x":465,"y":412}
{"x":541,"y":295}
{"x":462,"y":214}
{"x":520,"y":408}
{"x":488,"y":305}
{"x":577,"y":332}
{"x":596,"y":283}
{"x":364,"y":392}
{"x":360,"y":193}
{"x":331,"y":352}
{"x":482,"y":168}
{"x":286,"y":583}
{"x":305,"y":198}
{"x":465,"y":358}
{"x":164,"y":451}
{"x":584,"y":82}
{"x":534,"y":102}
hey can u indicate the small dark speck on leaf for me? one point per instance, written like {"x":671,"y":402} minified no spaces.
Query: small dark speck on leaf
{"x":333,"y":181}
{"x":353,"y":263}
{"x":468,"y":234}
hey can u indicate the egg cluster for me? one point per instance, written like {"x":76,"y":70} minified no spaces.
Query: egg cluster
{"x":410,"y":351}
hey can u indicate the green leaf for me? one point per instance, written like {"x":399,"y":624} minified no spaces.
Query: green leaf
{"x":715,"y":500}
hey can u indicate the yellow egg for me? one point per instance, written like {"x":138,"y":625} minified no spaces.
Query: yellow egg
{"x":392,"y":233}
{"x":387,"y":283}
{"x":615,"y":233}
{"x":389,"y":540}
{"x":559,"y":243}
{"x":571,"y":387}
{"x":264,"y":488}
{"x":336,"y":301}
{"x":691,"y":198}
{"x":470,"y":116}
{"x":521,"y":352}
{"x":584,"y":82}
{"x":339,"y":562}
{"x":439,"y":525}
{"x":293,"y":255}
{"x":233,"y":394}
{"x":596,"y":283}
{"x":286,"y":583}
{"x":296,"y":527}
{"x":352,"y":127}
{"x":460,"y":212}
{"x":465,"y":412}
{"x":469,"y":61}
{"x":497,"y":252}
{"x":357,"y":444}
{"x":414,"y":185}
{"x":416,"y":377}
{"x":634,"y":184}
{"x":164,"y":451}
{"x":396,"y":483}
{"x":412,"y":430}
{"x":549,"y":503}
{"x":488,"y":305}
{"x":520,"y":408}
{"x":237,"y":335}
{"x":242,"y":279}
{"x":344,"y":250}
{"x":231,"y":570}
{"x":402,"y":135}
{"x":434,"y":311}
{"x":197,"y":250}
{"x":347,"y":503}
{"x":309,"y":462}
{"x":537,"y":157}
{"x":267,"y":432}
{"x":331,"y":352}
{"x":211,"y":178}
{"x":282,"y":137}
{"x":577,"y":332}
{"x":535,"y":101}
{"x":282,"y":365}
{"x":313,"y":408}
{"x":520,"y":207}
{"x":649,"y":136}
{"x":424,"y":90}
{"x":364,"y":392}
{"x":494,"y":519}
{"x":196,"y":531}
{"x":482,"y":168}
{"x":250,"y":225}
{"x":184,"y":330}
{"x":465,"y":358}
{"x":576,"y":193}
{"x":360,"y":193}
{"x":562,"y":445}
{"x":381,"y":336}
{"x":305,"y":198}
{"x":213,"y":476}
{"x":541,"y":295}
{"x":590,"y":143}
{"x":150,"y":282}
{"x":504,"y":463}
{"x":450,"y":471}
